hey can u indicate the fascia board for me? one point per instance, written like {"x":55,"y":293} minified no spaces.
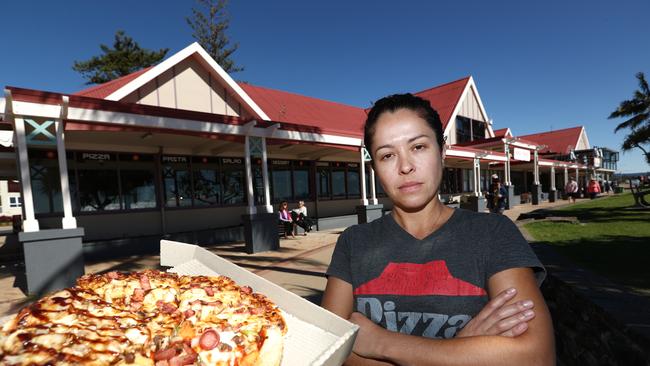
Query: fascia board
{"x":176,"y":59}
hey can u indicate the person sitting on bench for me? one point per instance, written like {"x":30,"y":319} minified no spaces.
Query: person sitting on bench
{"x":285,"y":219}
{"x":299,"y":216}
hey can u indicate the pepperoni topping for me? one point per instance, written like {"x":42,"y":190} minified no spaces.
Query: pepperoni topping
{"x":258,"y":310}
{"x":165,"y":354}
{"x":183,"y":360}
{"x":209,"y":291}
{"x":188,"y":349}
{"x":189,"y":313}
{"x":135,"y":306}
{"x":209,"y":339}
{"x":144,"y":282}
{"x":247,"y":290}
{"x":113,"y":275}
{"x":168,"y":308}
{"x":138,"y":295}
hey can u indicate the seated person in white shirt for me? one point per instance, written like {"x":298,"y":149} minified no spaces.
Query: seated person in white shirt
{"x":299,"y":215}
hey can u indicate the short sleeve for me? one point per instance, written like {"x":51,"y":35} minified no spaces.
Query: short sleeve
{"x":509,"y":249}
{"x":340,"y":264}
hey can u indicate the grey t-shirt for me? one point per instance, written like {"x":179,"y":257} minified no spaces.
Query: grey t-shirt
{"x":434,"y":286}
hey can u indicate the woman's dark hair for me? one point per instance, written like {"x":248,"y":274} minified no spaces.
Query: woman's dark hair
{"x":395,"y":102}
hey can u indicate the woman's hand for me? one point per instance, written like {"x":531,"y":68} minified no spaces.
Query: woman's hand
{"x":497,"y":318}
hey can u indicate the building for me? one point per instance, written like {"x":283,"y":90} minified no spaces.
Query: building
{"x":182,"y":150}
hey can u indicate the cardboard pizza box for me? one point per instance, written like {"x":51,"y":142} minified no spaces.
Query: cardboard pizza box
{"x":315,"y":336}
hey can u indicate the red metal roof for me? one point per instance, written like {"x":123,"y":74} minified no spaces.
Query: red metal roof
{"x":102,"y":91}
{"x":558,"y":141}
{"x":445,"y":97}
{"x":293,"y":108}
{"x":500,"y":132}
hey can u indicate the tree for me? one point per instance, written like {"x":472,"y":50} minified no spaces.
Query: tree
{"x":209,"y":29}
{"x":125,"y":57}
{"x":638,"y":109}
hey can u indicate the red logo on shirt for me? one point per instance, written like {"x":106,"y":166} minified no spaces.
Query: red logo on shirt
{"x":412,"y":279}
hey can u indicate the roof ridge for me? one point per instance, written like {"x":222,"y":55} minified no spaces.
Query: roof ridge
{"x":441,"y":85}
{"x":554,"y":131}
{"x":299,"y":95}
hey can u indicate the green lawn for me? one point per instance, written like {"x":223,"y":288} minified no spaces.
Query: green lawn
{"x":611,"y":239}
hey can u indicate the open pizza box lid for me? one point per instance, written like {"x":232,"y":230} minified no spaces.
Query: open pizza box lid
{"x":315,"y":336}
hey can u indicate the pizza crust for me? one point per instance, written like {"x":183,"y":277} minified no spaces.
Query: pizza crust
{"x":272,"y":348}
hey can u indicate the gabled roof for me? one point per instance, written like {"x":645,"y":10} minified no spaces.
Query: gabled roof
{"x":445,"y":98}
{"x":280,"y":106}
{"x":140,"y":78}
{"x":328,"y":116}
{"x":558,"y":141}
{"x":101,"y":91}
{"x":503,"y":132}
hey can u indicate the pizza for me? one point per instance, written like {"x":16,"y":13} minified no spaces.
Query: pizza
{"x":146,"y":318}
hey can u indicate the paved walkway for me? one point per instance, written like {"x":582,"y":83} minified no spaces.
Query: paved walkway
{"x":300,"y":265}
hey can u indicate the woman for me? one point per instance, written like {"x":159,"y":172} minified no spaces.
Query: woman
{"x":429,"y":284}
{"x":593,"y":188}
{"x":285,"y":219}
{"x":299,"y":216}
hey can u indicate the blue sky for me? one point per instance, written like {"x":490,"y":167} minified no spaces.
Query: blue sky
{"x":538,"y":65}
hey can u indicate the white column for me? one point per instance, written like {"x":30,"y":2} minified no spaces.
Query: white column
{"x":364,"y":200}
{"x":477,"y":177}
{"x":566,"y":175}
{"x":536,"y":169}
{"x":553,"y":178}
{"x":29,"y":223}
{"x":577,"y":175}
{"x":265,"y":178}
{"x":507,"y":167}
{"x":68,"y":221}
{"x":373,"y":191}
{"x":249,"y":177}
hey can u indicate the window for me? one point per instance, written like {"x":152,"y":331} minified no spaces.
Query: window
{"x":177,"y":181}
{"x":233,"y":181}
{"x":98,"y":190}
{"x":450,"y":181}
{"x":137,"y":177}
{"x":15,"y":202}
{"x":353,"y":182}
{"x":301,"y":184}
{"x":206,"y":189}
{"x":463,"y":130}
{"x":478,"y":130}
{"x":281,"y":184}
{"x":46,"y":182}
{"x":468,"y":181}
{"x":338,"y":183}
{"x":323,"y":182}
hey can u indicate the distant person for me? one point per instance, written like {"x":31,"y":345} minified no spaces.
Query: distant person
{"x":299,"y":216}
{"x":607,"y":186}
{"x":285,"y":219}
{"x":496,"y":196}
{"x":593,"y":188}
{"x":571,"y":190}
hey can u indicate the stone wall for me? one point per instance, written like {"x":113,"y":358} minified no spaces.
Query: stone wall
{"x":586,"y":335}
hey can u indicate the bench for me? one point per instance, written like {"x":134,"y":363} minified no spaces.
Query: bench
{"x":639,"y":195}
